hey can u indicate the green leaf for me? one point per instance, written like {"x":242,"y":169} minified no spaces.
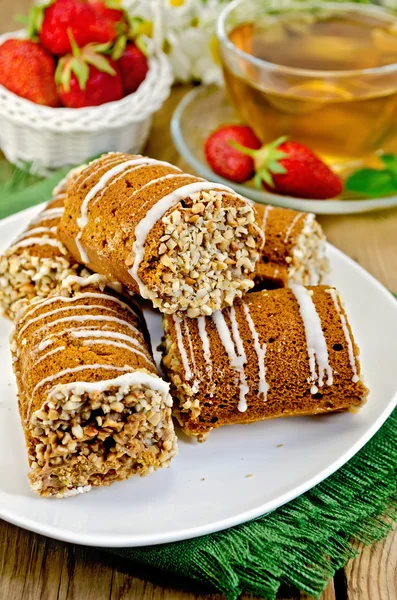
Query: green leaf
{"x":99,"y":62}
{"x":114,"y":4}
{"x":101,"y":48}
{"x":258,"y":181}
{"x":141,"y":42}
{"x":81,"y":70}
{"x":372,"y":182}
{"x":390,"y":162}
{"x":119,"y":47}
{"x":265,"y":175}
{"x":276,"y":167}
{"x":36,"y":18}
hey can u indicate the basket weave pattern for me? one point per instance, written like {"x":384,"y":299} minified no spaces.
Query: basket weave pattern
{"x":51,"y":138}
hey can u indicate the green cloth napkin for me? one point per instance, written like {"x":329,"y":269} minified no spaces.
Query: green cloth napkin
{"x":20,"y":190}
{"x":301,"y":544}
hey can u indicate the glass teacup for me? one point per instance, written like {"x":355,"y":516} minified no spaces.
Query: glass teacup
{"x":323,"y":73}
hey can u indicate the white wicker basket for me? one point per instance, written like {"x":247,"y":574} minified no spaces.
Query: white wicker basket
{"x":50,"y":138}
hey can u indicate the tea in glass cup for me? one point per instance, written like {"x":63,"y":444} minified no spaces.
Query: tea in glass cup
{"x":323,"y":73}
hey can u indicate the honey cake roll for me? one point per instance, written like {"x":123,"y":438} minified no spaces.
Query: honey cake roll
{"x":294,"y":249}
{"x":92,"y":406}
{"x":276,"y":353}
{"x":186,"y":244}
{"x":37,"y":261}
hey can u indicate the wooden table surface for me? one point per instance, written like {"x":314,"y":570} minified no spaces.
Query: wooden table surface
{"x":33,"y":567}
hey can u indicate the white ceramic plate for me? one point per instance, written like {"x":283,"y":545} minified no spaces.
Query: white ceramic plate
{"x":190,"y":130}
{"x":206,"y":488}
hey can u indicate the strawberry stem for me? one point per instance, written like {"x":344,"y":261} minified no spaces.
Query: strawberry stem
{"x":73,"y":43}
{"x":266,"y":160}
{"x":243,"y":149}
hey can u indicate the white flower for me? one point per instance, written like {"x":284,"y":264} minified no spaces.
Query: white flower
{"x":191,"y":56}
{"x":188,"y":35}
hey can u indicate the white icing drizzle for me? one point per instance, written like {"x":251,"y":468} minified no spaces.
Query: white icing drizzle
{"x":260,"y":350}
{"x":79,"y":296}
{"x":39,"y":241}
{"x":164,"y":177}
{"x":62,"y":309}
{"x":268,"y":208}
{"x":236,"y":361}
{"x":123,"y":381}
{"x":48,"y":214}
{"x":155,"y":213}
{"x":147,"y":163}
{"x":95,"y":166}
{"x":82,"y":318}
{"x":103,"y":342}
{"x":87,"y":332}
{"x":244,"y":388}
{"x":98,"y":187}
{"x":68,"y":372}
{"x":35,"y":230}
{"x":50,"y":353}
{"x":93,"y":280}
{"x":83,"y":254}
{"x":201,"y":321}
{"x":291,"y":227}
{"x":189,"y":339}
{"x":315,"y":340}
{"x":352,"y":358}
{"x":61,"y":188}
{"x":181,"y":347}
{"x":43,"y":345}
{"x":196,"y":383}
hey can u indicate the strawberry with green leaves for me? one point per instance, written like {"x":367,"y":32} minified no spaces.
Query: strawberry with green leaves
{"x":130,"y":51}
{"x":133,"y":65}
{"x":89,"y":22}
{"x":87,"y":77}
{"x":292,"y":169}
{"x":223,"y":154}
{"x":27,"y":70}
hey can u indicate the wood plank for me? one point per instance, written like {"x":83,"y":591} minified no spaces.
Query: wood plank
{"x":373,"y":574}
{"x":370,"y":239}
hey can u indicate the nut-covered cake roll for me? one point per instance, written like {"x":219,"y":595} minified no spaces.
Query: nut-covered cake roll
{"x":92,"y":406}
{"x":186,"y":244}
{"x":294,"y":249}
{"x":276,"y":353}
{"x":37,"y":261}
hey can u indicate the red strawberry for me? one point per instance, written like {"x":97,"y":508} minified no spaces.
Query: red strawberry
{"x":28,"y":70}
{"x":87,"y":78}
{"x":88,"y":23}
{"x":112,"y":14}
{"x":134,"y":66}
{"x":228,"y":161}
{"x":292,"y":169}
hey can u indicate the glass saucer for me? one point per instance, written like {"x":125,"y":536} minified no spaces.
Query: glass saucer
{"x":202,"y":111}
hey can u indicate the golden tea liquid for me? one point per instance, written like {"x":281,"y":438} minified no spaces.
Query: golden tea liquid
{"x":343,"y":118}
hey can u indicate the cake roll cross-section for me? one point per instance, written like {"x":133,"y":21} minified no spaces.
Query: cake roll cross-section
{"x":92,"y":406}
{"x":186,"y":244}
{"x":37,"y":261}
{"x":276,"y":353}
{"x":293,"y":251}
